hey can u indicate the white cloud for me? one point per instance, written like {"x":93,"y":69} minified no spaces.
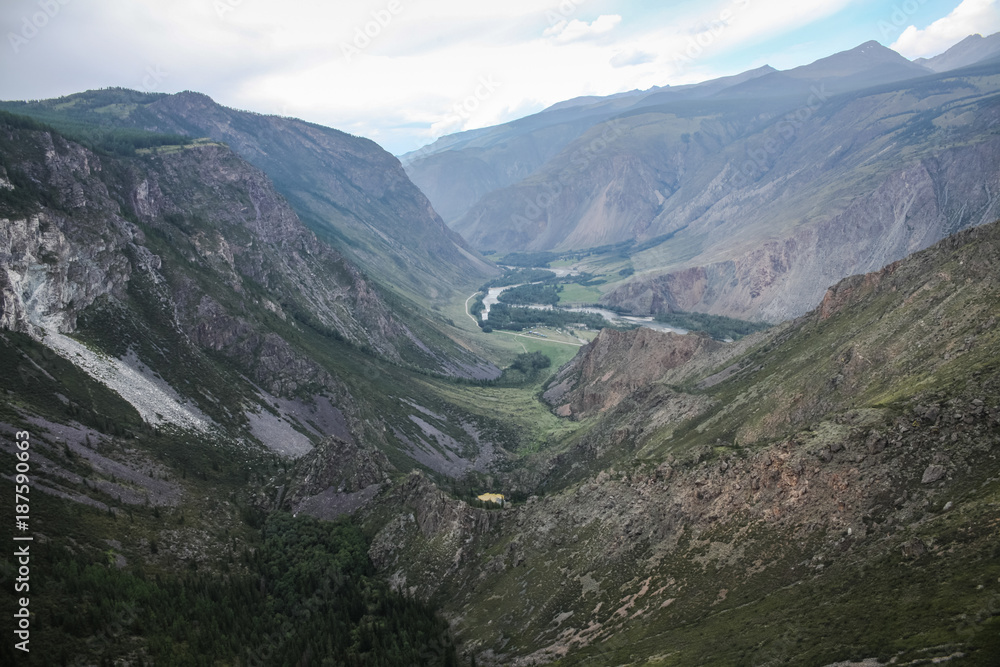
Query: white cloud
{"x":632,"y":57}
{"x":970,"y":17}
{"x":415,"y":60}
{"x":571,"y":31}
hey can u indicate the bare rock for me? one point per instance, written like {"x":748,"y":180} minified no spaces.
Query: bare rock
{"x":915,"y":548}
{"x":933,"y":473}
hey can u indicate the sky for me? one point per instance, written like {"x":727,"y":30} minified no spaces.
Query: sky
{"x":404,"y":72}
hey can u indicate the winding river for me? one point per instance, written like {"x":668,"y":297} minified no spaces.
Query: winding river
{"x":493,"y":297}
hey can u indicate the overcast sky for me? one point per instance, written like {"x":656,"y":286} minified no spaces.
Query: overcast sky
{"x":403,"y":72}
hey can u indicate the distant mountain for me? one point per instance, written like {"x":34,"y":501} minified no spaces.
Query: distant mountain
{"x":345,"y":188}
{"x":457,"y":170}
{"x":737,"y":203}
{"x":971,"y":50}
{"x":869,"y":64}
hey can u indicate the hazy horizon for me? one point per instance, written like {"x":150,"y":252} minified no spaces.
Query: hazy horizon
{"x":405,"y":74}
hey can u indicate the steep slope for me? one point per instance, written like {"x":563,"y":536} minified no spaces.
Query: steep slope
{"x":185,"y":283}
{"x":971,"y":50}
{"x":831,"y":499}
{"x":616,"y":364}
{"x":346,"y":189}
{"x":742,"y":213}
{"x":458,"y":170}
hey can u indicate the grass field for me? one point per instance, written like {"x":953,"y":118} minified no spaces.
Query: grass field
{"x":576,"y":293}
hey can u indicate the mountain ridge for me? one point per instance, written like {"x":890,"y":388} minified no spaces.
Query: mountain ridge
{"x":347,"y":189}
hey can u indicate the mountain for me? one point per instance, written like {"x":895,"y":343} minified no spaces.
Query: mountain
{"x":346,"y":189}
{"x":737,"y":208}
{"x":241,"y":449}
{"x":970,"y":51}
{"x":246,"y":430}
{"x":821,"y":493}
{"x":173,"y":340}
{"x":457,"y":170}
{"x":185,"y":283}
{"x":864,"y":66}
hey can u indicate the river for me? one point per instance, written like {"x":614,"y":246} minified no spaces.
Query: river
{"x":493,"y":297}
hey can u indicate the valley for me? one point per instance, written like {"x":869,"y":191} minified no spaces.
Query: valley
{"x":728,"y":355}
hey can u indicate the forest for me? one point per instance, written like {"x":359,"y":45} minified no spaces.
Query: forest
{"x":306,"y":594}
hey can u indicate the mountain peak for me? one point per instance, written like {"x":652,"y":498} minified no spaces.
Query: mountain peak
{"x":971,"y":50}
{"x":859,"y":60}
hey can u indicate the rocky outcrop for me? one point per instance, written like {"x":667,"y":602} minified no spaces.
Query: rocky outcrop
{"x":337,"y":477}
{"x":338,"y":464}
{"x":432,"y":524}
{"x":55,"y":261}
{"x":910,"y":210}
{"x":616,"y":364}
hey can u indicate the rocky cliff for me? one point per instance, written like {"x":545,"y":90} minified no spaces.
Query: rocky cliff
{"x":616,"y":364}
{"x":189,"y":264}
{"x":346,"y":189}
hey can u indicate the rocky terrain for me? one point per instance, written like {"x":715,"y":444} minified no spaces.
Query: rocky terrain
{"x":346,"y":189}
{"x":830,"y":470}
{"x":192,"y":255}
{"x":245,"y":449}
{"x":616,"y":364}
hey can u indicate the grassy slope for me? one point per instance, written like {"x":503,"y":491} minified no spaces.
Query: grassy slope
{"x":743,"y":586}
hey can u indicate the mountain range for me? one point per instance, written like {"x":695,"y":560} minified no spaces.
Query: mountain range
{"x":728,"y":197}
{"x":266,"y":426}
{"x":346,"y":189}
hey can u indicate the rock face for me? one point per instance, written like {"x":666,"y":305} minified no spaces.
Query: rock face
{"x":337,"y":477}
{"x":780,"y":279}
{"x":341,"y":465}
{"x":59,"y":260}
{"x":53,"y":264}
{"x":192,"y":271}
{"x":345,"y":187}
{"x":431,"y":523}
{"x":616,"y":364}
